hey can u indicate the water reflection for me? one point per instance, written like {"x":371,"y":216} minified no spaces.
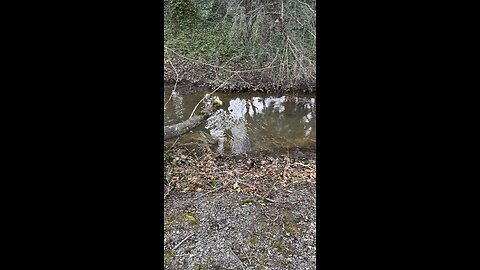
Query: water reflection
{"x":177,"y":100}
{"x":249,"y":122}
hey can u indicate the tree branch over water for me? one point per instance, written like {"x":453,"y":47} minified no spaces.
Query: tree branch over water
{"x":211,"y":106}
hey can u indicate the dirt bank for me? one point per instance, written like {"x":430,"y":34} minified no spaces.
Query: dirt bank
{"x":235,"y":78}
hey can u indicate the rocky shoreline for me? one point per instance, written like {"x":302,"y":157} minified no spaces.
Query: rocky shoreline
{"x":222,"y":212}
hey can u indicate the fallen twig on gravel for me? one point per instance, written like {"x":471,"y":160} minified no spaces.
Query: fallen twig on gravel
{"x":273,"y":201}
{"x":204,"y":194}
{"x":181,"y":242}
{"x":240,"y":261}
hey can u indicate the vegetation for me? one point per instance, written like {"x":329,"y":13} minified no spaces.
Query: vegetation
{"x":233,"y":43}
{"x":275,"y":38}
{"x":207,"y":41}
{"x":167,"y":256}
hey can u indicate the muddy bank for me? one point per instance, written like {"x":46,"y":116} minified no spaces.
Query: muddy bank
{"x":239,"y":212}
{"x":228,"y":78}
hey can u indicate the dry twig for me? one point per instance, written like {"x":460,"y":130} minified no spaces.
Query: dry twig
{"x":181,"y":242}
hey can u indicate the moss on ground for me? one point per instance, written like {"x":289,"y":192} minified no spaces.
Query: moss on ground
{"x":167,"y":256}
{"x":190,"y":217}
{"x":252,"y":240}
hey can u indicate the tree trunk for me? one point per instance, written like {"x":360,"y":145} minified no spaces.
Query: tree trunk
{"x":189,"y":124}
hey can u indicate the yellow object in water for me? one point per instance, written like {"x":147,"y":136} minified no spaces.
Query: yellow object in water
{"x":217,"y":100}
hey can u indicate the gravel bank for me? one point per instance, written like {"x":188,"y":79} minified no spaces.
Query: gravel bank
{"x":261,"y":217}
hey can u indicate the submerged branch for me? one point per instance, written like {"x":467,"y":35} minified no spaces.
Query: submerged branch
{"x":183,"y":127}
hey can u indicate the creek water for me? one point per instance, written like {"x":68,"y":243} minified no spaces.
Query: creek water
{"x":247,"y":122}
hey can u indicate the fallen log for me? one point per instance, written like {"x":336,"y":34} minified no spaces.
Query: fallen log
{"x":211,"y":106}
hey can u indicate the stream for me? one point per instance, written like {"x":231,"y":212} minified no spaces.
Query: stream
{"x":247,"y":122}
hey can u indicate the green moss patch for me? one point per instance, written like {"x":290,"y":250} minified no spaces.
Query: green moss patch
{"x":190,"y":217}
{"x":252,"y":240}
{"x":167,"y":256}
{"x":246,"y":202}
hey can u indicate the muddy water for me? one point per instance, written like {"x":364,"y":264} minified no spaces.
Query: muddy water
{"x":246,"y":122}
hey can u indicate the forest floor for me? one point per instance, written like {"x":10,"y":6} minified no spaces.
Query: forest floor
{"x":225,"y":212}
